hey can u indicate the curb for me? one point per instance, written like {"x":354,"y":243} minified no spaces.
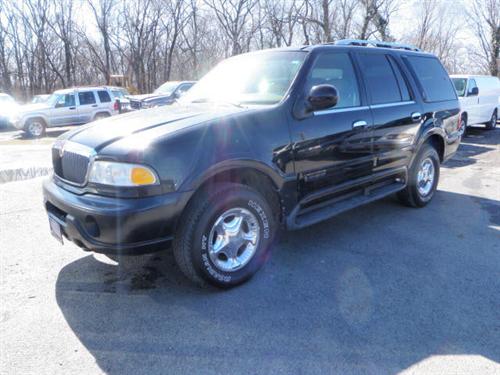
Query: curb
{"x":25,"y":173}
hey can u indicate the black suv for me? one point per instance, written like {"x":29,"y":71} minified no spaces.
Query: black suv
{"x":284,"y":137}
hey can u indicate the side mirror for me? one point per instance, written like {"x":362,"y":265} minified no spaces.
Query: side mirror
{"x":322,"y":97}
{"x":59,"y":105}
{"x":473,"y":92}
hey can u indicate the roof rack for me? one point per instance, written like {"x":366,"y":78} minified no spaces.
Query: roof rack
{"x":375,"y":43}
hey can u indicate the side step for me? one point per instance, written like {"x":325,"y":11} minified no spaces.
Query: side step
{"x":305,"y":214}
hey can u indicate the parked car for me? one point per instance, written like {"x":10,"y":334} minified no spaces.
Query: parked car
{"x":75,"y":106}
{"x":8,"y":107}
{"x":164,"y":95}
{"x":40,"y":99}
{"x":286,"y":137}
{"x":479,"y":98}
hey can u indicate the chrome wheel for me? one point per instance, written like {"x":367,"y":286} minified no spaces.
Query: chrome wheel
{"x":425,"y":177}
{"x":35,"y":128}
{"x":234,"y":239}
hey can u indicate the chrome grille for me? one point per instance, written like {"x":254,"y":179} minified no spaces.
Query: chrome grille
{"x":72,"y":166}
{"x":135,"y":104}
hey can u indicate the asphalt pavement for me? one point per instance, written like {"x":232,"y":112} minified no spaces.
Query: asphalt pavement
{"x":383,"y":289}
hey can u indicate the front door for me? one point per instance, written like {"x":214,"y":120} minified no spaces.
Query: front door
{"x":333,"y":146}
{"x":64,"y":111}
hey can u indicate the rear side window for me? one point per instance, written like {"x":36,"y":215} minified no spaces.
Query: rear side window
{"x":381,"y":79}
{"x":86,"y":97}
{"x":104,"y":96}
{"x":336,"y":69}
{"x":436,"y":85}
{"x":472,"y":85}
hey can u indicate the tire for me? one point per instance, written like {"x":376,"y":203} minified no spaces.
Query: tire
{"x":35,"y":128}
{"x":413,"y":195}
{"x":464,"y":124}
{"x":194,"y":246}
{"x":492,"y":124}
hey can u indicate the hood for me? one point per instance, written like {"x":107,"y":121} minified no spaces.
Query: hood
{"x":165,"y":121}
{"x":33,"y":107}
{"x":148,"y":96}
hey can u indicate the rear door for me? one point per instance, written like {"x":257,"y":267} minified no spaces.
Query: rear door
{"x":64,"y":111}
{"x":396,"y":113}
{"x":333,"y":146}
{"x":87,"y":105}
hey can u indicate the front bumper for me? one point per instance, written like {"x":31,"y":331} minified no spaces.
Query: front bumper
{"x":115,"y":225}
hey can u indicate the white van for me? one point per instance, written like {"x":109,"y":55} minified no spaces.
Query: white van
{"x":479,"y":98}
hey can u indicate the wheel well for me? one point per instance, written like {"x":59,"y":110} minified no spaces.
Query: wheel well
{"x":253,"y":178}
{"x":106,"y":114}
{"x":35,"y":118}
{"x":437,"y":142}
{"x":464,"y":114}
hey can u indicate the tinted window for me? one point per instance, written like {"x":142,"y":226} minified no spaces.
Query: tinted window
{"x":183,"y":88}
{"x":380,"y":79}
{"x":433,"y":78}
{"x":336,"y":69}
{"x":402,"y":83}
{"x":67,"y":100}
{"x":103,"y":96}
{"x":86,"y":97}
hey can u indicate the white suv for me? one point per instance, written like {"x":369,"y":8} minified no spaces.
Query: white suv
{"x":75,"y":106}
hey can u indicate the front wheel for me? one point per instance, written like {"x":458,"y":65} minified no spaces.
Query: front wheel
{"x":225,"y":236}
{"x":423,"y":178}
{"x":492,"y":124}
{"x":35,"y":128}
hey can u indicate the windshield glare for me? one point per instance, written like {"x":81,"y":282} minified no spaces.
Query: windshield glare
{"x":53,"y":99}
{"x":258,"y":78}
{"x":460,"y":85}
{"x":166,"y":89}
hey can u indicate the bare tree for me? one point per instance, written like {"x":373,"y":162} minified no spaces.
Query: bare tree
{"x":485,"y":15}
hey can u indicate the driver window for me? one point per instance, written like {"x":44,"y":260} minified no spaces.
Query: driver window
{"x":336,"y":69}
{"x":67,"y":100}
{"x":472,"y":84}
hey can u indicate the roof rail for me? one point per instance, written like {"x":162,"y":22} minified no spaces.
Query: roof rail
{"x":375,"y":43}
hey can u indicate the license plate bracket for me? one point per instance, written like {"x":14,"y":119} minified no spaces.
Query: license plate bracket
{"x":56,"y":230}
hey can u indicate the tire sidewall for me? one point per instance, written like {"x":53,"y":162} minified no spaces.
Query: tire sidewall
{"x":427,"y":152}
{"x":30,"y":134}
{"x":199,"y":251}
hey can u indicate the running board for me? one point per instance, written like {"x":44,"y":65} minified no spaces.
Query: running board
{"x":305,"y":214}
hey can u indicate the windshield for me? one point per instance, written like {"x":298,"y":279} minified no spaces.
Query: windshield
{"x":259,"y":78}
{"x":53,"y":99}
{"x":167,"y":88}
{"x":460,"y":85}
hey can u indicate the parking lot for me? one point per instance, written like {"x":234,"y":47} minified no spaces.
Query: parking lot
{"x":381,"y":289}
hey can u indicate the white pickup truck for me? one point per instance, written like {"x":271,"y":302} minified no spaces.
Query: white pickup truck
{"x":479,"y":99}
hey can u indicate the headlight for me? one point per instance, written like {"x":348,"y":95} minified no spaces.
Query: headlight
{"x":122,"y":174}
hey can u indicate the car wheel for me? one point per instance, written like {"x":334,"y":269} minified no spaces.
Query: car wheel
{"x":423,"y":178}
{"x":492,"y":124}
{"x":464,"y":124}
{"x":35,"y":128}
{"x":225,"y":236}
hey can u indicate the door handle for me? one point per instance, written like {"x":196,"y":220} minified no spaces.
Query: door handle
{"x":94,"y":105}
{"x":359,"y":124}
{"x":72,"y":107}
{"x":416,"y":116}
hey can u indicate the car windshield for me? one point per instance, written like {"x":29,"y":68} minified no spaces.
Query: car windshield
{"x":460,"y":85}
{"x":53,"y":99}
{"x":167,"y":88}
{"x":258,"y":78}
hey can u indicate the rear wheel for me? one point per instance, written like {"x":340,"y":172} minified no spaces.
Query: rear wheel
{"x":225,"y":236}
{"x":492,"y":124}
{"x":35,"y":128}
{"x":423,"y":178}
